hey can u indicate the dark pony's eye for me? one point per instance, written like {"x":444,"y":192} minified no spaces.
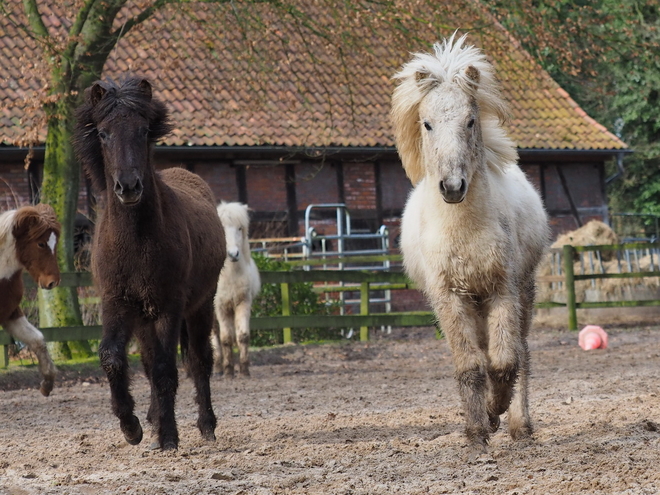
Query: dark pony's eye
{"x":42,"y":244}
{"x":471,"y":123}
{"x":427,"y":126}
{"x":102,"y":135}
{"x":144,"y":131}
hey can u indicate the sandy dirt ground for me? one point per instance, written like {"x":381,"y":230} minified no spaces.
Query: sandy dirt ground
{"x":381,"y":417}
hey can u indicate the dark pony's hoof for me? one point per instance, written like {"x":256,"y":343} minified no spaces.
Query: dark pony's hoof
{"x":133,"y":431}
{"x":494,"y":422}
{"x":46,"y":387}
{"x":209,"y":436}
{"x":156,"y":444}
{"x":170,"y":445}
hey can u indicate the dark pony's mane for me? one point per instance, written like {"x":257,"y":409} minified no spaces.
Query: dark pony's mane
{"x":131,"y":94}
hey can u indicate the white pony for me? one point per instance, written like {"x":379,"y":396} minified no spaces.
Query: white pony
{"x":473,"y":229}
{"x":238,"y":284}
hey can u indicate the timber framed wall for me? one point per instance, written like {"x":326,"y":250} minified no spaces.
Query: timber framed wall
{"x":278,"y":186}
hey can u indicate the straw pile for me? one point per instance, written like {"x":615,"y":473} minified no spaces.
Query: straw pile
{"x":598,"y":233}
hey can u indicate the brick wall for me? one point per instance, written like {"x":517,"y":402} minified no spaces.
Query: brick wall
{"x":14,"y":187}
{"x":360,"y":186}
{"x":395,"y":186}
{"x":315,"y":183}
{"x":266,"y":187}
{"x":221,"y":177}
{"x":533,"y":173}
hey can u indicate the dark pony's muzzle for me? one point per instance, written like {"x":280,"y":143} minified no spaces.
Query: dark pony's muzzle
{"x":453,"y":190}
{"x":129,"y":192}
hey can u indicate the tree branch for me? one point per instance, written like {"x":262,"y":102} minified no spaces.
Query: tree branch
{"x":74,"y":32}
{"x":34,"y":18}
{"x":81,"y":18}
{"x":141,"y":17}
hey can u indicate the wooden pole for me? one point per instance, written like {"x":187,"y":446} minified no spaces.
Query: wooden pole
{"x":4,"y":356}
{"x":286,"y":311}
{"x":569,"y":281}
{"x":364,"y":309}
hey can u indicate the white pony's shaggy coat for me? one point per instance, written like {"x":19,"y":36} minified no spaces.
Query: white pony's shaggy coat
{"x":473,"y":256}
{"x":238,"y":284}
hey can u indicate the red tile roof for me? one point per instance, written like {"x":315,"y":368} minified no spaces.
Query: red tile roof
{"x":295,"y":91}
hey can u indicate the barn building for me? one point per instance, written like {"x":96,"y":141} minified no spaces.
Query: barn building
{"x":309,"y":122}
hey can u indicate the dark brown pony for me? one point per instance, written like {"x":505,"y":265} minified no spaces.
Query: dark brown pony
{"x":28,"y":237}
{"x":156,"y":256}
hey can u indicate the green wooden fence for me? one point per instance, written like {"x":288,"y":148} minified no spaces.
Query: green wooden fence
{"x":363,"y":281}
{"x":570,"y":277}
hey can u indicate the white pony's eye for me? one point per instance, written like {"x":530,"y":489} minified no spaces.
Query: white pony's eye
{"x":471,"y":123}
{"x":427,"y":126}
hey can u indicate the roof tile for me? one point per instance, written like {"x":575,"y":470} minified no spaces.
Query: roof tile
{"x":221,"y":94}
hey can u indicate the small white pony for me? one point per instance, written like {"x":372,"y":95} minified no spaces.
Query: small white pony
{"x":473,"y":229}
{"x":238,"y":284}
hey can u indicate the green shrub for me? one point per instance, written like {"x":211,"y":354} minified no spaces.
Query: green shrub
{"x":304,"y":301}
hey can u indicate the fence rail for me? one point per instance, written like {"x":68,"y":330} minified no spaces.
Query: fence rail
{"x":570,"y":277}
{"x":366,"y":281}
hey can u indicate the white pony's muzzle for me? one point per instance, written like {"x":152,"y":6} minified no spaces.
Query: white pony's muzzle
{"x":453,"y":190}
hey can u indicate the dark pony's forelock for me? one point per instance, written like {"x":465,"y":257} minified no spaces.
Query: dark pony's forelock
{"x":129,"y":94}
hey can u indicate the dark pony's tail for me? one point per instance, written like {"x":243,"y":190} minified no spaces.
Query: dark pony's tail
{"x":183,"y":342}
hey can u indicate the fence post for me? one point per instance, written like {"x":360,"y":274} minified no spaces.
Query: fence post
{"x":286,"y":311}
{"x":569,"y":281}
{"x":364,"y":309}
{"x":4,"y":356}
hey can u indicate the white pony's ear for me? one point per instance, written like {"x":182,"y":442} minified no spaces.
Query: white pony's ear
{"x":473,"y":75}
{"x":468,"y":79}
{"x":421,"y":75}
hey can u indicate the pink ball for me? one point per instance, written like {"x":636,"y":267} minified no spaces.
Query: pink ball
{"x":592,"y":337}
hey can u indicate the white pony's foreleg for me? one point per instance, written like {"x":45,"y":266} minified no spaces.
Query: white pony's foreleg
{"x":504,"y":352}
{"x":227,"y":339}
{"x":520,"y":424}
{"x":216,"y":346}
{"x":21,"y":329}
{"x":470,"y":362}
{"x":242,"y":319}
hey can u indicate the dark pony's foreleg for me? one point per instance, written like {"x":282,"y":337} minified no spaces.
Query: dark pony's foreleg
{"x":200,"y":366}
{"x":460,"y":327}
{"x":147,"y":356}
{"x":112,"y":354}
{"x":159,"y":344}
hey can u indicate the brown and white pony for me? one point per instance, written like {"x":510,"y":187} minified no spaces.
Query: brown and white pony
{"x":28,"y":237}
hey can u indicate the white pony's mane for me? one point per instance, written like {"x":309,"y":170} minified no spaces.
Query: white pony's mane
{"x":449,"y":63}
{"x":234,"y":214}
